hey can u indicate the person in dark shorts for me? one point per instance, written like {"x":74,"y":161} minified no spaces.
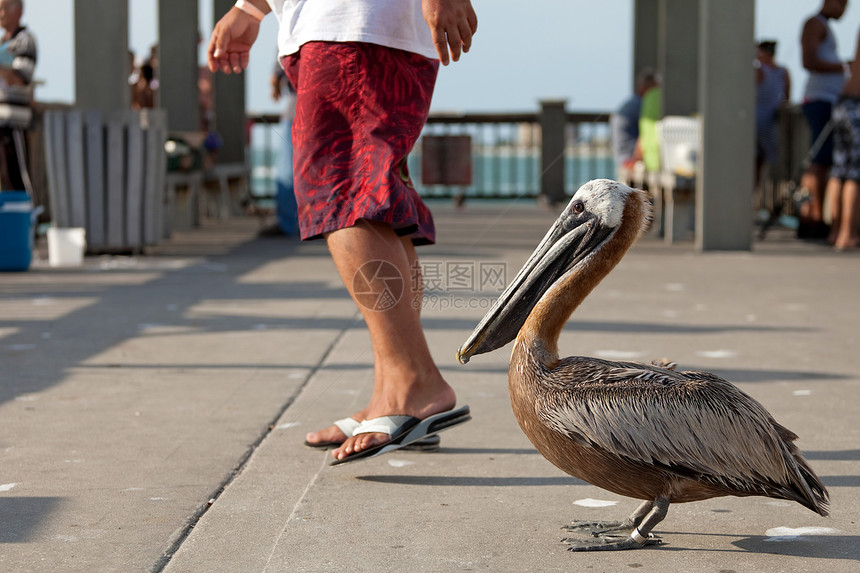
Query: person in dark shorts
{"x":364,"y":72}
{"x":826,"y":76}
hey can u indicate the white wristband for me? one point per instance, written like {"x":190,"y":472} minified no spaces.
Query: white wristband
{"x":250,"y":10}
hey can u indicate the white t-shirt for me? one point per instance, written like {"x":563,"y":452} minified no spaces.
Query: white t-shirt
{"x":392,"y":23}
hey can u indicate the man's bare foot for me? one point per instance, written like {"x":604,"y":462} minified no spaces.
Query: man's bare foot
{"x":332,"y":434}
{"x":420,"y":406}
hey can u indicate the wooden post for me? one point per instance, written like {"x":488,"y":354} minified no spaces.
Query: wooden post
{"x":679,"y":62}
{"x":177,"y":63}
{"x":553,"y":118}
{"x":646,"y":40}
{"x":101,"y":55}
{"x":726,"y":162}
{"x":229,"y":94}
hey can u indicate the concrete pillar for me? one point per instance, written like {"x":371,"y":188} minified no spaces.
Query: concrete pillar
{"x":101,"y":55}
{"x":726,"y":161}
{"x":553,"y":118}
{"x":229,"y":95}
{"x":678,"y":55}
{"x":646,"y":39}
{"x":177,"y":64}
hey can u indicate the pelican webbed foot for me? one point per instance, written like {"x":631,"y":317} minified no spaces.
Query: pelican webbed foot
{"x":626,"y":527}
{"x":632,"y":533}
{"x":609,"y":543}
{"x":598,"y":528}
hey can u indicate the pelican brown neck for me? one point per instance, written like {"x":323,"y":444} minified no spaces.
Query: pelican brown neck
{"x":581,"y":248}
{"x":544,"y":324}
{"x":547,"y":319}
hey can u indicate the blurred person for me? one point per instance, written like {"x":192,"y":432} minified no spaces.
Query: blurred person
{"x":17,"y":63}
{"x":843,"y":187}
{"x":142,"y":93}
{"x":648,"y":147}
{"x":773,"y":87}
{"x":625,"y":122}
{"x":286,"y":209}
{"x":360,"y":107}
{"x":826,"y":77}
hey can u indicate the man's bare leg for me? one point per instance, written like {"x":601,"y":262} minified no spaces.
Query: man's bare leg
{"x":407,"y":380}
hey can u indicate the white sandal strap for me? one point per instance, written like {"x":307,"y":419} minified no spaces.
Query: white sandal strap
{"x":383,"y":425}
{"x":347,"y":426}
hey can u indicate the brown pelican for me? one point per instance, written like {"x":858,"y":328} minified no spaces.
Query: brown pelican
{"x":637,"y":430}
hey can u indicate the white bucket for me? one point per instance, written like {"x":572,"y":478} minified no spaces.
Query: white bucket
{"x":66,"y":246}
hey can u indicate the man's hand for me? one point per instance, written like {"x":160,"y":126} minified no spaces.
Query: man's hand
{"x":230,"y":44}
{"x":452,"y":24}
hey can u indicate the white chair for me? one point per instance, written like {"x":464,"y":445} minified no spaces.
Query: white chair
{"x":679,"y":149}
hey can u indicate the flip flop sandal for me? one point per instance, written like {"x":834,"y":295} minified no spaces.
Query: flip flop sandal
{"x":348,"y":426}
{"x":404,"y":430}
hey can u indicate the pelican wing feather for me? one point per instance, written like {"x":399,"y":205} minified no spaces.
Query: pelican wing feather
{"x":693,"y":424}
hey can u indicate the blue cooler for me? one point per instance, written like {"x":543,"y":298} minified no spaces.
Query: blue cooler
{"x":16,"y":231}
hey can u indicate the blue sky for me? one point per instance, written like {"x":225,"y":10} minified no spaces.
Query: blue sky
{"x":574,"y":49}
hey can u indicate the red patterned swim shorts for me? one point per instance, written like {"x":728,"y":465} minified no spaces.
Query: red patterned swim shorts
{"x":359,"y":110}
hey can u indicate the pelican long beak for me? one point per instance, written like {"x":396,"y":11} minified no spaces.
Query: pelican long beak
{"x":568,"y":242}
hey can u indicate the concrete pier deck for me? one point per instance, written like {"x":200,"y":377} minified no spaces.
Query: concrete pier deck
{"x":153,"y":408}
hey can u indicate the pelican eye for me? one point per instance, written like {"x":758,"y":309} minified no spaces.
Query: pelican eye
{"x":578,"y":207}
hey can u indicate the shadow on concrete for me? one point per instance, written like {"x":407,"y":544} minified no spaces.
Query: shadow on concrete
{"x":490,"y":451}
{"x":747,"y":375}
{"x":734,"y":375}
{"x":660,"y":328}
{"x":143,"y":291}
{"x":838,"y":455}
{"x":813,"y":546}
{"x":468,"y":324}
{"x":466,"y":481}
{"x":20,"y":516}
{"x":841,"y":481}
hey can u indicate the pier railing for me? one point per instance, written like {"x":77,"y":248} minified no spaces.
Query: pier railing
{"x":477,"y":155}
{"x":500,"y":155}
{"x":547,"y":153}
